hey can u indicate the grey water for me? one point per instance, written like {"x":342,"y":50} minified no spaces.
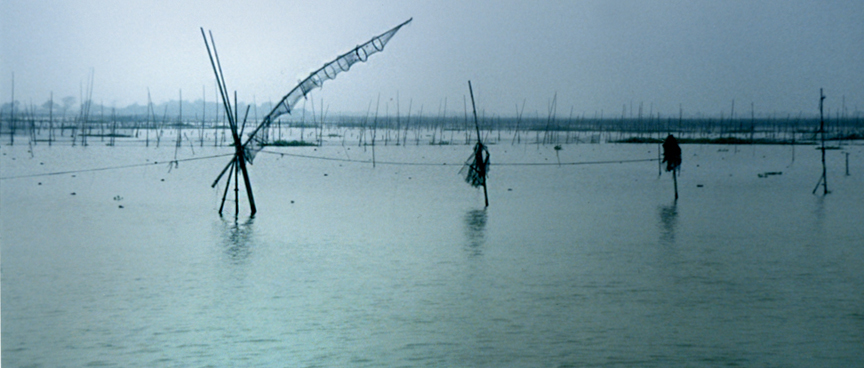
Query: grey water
{"x":401,"y":265}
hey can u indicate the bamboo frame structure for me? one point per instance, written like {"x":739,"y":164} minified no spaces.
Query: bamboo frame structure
{"x":238,"y":162}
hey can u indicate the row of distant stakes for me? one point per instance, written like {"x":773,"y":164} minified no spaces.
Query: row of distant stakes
{"x":475,"y":168}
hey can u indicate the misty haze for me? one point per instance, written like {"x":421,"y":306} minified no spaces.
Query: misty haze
{"x":565,"y":184}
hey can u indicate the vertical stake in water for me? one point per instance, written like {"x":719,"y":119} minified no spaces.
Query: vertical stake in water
{"x":824,"y":179}
{"x":847,"y":163}
{"x":675,"y":181}
{"x":672,"y":158}
{"x":238,"y":162}
{"x":480,"y":162}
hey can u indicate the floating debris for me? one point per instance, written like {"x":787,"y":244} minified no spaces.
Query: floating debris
{"x":770,"y":173}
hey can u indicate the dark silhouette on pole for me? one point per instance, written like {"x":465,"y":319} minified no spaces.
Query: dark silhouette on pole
{"x":477,"y":166}
{"x":672,"y":158}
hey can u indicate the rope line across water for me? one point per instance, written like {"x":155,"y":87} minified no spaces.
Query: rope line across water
{"x":113,"y":167}
{"x":459,"y":164}
{"x":331,"y":159}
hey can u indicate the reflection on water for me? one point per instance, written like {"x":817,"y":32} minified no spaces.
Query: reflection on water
{"x":668,"y":219}
{"x":237,"y":238}
{"x":819,"y":212}
{"x":770,"y":278}
{"x":475,"y":227}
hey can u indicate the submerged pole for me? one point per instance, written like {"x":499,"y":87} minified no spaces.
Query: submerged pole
{"x":675,"y":181}
{"x":236,"y":190}
{"x":227,"y":185}
{"x":822,"y":130}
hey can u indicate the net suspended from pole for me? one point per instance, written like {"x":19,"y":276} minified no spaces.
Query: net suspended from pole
{"x":477,"y":166}
{"x":671,"y":153}
{"x":329,"y":71}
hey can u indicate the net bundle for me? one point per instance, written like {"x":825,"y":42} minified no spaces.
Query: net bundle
{"x":671,"y":153}
{"x":477,"y":166}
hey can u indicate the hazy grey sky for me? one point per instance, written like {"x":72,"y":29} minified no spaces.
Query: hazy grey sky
{"x":597,"y":55}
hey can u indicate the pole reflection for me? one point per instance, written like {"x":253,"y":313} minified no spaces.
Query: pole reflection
{"x":668,"y":220}
{"x":237,"y":238}
{"x":475,"y":229}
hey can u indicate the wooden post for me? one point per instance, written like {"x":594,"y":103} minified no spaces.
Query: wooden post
{"x":847,"y":163}
{"x":51,"y":125}
{"x":241,"y":160}
{"x":481,"y":162}
{"x":375,"y":128}
{"x":227,"y":185}
{"x":675,"y":181}
{"x":12,"y":115}
{"x":822,"y":130}
{"x":236,"y":190}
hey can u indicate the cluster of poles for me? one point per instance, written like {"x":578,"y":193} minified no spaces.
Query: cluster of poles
{"x":237,"y":165}
{"x":550,"y":130}
{"x":51,"y":124}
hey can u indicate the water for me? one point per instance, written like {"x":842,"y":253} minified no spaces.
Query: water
{"x":588,"y":265}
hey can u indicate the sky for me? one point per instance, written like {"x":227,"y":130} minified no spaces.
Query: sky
{"x":594,"y":57}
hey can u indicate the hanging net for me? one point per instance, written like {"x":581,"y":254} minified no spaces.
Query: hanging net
{"x":476,"y":167}
{"x":316,"y":80}
{"x":671,"y":153}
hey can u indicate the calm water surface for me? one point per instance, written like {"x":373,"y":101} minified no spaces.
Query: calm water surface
{"x":346,"y":265}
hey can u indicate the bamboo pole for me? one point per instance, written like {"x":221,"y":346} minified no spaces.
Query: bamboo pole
{"x":481,"y":163}
{"x":236,"y":190}
{"x":227,"y":185}
{"x":12,"y":114}
{"x":375,"y":128}
{"x":675,"y":181}
{"x":51,"y":122}
{"x":824,"y":179}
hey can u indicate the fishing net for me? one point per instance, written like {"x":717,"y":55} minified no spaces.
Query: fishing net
{"x":671,"y":153}
{"x":316,"y":80}
{"x":476,"y":167}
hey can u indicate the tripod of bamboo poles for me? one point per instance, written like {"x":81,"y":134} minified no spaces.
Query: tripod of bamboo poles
{"x":238,"y":162}
{"x":824,"y":178}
